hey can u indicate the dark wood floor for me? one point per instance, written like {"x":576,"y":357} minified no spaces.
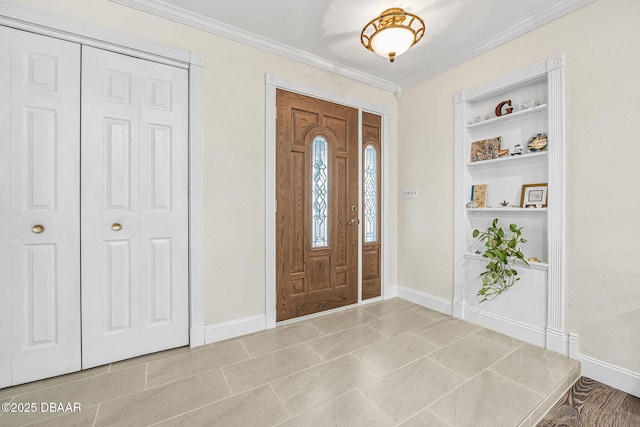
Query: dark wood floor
{"x":593,"y":404}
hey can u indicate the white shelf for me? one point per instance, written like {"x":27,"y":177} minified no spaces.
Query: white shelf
{"x":516,"y":210}
{"x":539,"y":305}
{"x":508,"y":117}
{"x":533,"y":265}
{"x":508,"y":158}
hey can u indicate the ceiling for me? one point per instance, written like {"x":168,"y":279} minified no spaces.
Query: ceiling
{"x":326,"y":33}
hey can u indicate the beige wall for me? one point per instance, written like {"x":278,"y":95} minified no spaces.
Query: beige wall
{"x":234,"y":144}
{"x":603,"y":144}
{"x":602,"y":173}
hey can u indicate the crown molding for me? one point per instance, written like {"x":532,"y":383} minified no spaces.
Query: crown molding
{"x":183,"y":16}
{"x":509,"y":34}
{"x":32,"y":20}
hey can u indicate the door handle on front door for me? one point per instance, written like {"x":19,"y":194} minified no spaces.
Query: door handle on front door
{"x":354,"y":221}
{"x":116,"y":227}
{"x":37,"y":228}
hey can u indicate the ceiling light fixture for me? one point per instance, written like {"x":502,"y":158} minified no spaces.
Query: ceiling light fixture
{"x":389,"y":36}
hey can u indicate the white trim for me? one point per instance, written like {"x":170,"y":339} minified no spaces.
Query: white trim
{"x":305,"y":89}
{"x":270,"y":201}
{"x":574,"y":347}
{"x":553,"y":336}
{"x":606,"y":373}
{"x":227,"y":31}
{"x":557,"y":341}
{"x":526,"y":74}
{"x":360,"y":209}
{"x":512,"y":328}
{"x":19,"y":17}
{"x":196,"y":200}
{"x":612,"y":375}
{"x":458,"y":309}
{"x":234,"y":328}
{"x":271,"y":84}
{"x":426,"y":300}
{"x":371,"y":300}
{"x":459,"y":211}
{"x":556,"y":212}
{"x":183,"y":16}
{"x":390,"y":291}
{"x":506,"y":36}
{"x":521,"y":331}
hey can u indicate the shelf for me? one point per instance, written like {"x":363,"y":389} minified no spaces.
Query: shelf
{"x":533,"y":265}
{"x":508,"y":158}
{"x":508,"y":117}
{"x":516,"y":210}
{"x":538,"y":304}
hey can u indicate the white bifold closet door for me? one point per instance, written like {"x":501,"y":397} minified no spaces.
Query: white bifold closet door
{"x":39,"y":207}
{"x":134,"y":207}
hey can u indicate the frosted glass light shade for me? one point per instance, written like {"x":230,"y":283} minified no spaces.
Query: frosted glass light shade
{"x":392,"y":33}
{"x":394,"y":39}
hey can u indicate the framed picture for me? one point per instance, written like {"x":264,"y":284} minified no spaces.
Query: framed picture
{"x":534,"y":196}
{"x":486,"y":149}
{"x":479,"y":195}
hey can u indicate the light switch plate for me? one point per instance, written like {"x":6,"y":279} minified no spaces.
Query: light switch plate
{"x":410,"y":193}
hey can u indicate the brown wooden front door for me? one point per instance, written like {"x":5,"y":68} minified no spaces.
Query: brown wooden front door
{"x":372,"y":201}
{"x":317,"y":200}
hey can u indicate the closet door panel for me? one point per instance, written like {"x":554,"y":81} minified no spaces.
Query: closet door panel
{"x":164,"y":206}
{"x":110,"y":242}
{"x":134,"y":207}
{"x":5,"y":209}
{"x":45,"y":218}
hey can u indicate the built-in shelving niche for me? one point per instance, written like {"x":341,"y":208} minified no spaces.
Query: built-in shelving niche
{"x":532,"y":310}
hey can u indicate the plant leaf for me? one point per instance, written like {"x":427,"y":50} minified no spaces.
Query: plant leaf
{"x":502,"y":252}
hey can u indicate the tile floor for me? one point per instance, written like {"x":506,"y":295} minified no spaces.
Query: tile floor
{"x":388,"y":363}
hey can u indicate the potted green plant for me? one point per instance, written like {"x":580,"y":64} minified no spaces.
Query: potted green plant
{"x":503,"y":251}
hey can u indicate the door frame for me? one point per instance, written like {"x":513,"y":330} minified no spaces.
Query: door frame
{"x":22,"y":18}
{"x":272,"y":83}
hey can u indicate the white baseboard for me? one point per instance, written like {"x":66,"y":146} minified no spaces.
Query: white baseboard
{"x":390,"y":292}
{"x":606,"y":373}
{"x":573,"y":346}
{"x":196,"y":336}
{"x":521,"y":331}
{"x":271,"y":319}
{"x":611,"y":375}
{"x":235,"y":328}
{"x":509,"y":327}
{"x":430,"y":301}
{"x":458,"y":309}
{"x":557,"y":341}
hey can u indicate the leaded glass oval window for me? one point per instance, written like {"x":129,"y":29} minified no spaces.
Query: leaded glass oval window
{"x":370,"y":194}
{"x":320,"y":192}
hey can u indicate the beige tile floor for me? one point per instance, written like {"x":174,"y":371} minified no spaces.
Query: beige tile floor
{"x":390,"y":363}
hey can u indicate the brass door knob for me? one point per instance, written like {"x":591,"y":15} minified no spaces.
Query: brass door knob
{"x":354,"y":221}
{"x":37,"y":228}
{"x":116,"y":227}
